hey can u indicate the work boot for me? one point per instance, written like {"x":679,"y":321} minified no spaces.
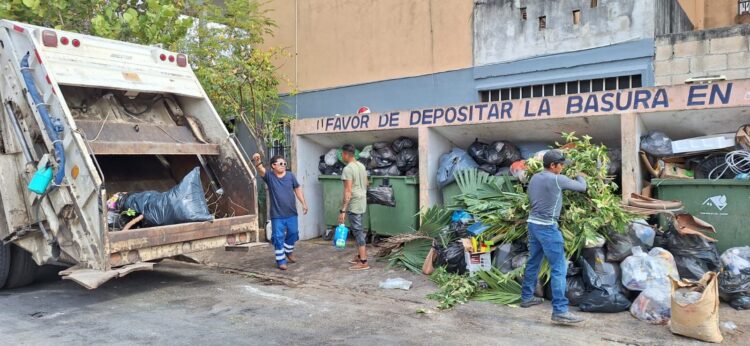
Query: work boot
{"x":566,"y":318}
{"x":531,"y":302}
{"x":291,"y":258}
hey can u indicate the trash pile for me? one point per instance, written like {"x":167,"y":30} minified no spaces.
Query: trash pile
{"x":719,"y":156}
{"x":503,"y":158}
{"x":183,"y":203}
{"x":399,"y":158}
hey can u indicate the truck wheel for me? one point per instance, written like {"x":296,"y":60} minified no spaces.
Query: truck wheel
{"x":22,"y":268}
{"x":4,"y":263}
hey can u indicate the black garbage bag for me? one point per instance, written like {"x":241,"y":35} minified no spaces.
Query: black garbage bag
{"x":338,"y":168}
{"x":412,"y":172}
{"x":380,"y":145}
{"x":619,"y":245}
{"x":489,"y":168}
{"x":451,"y":162}
{"x":478,"y":151}
{"x":505,"y":253}
{"x":407,"y":159}
{"x":502,"y":153}
{"x":734,"y":288}
{"x":183,"y":203}
{"x":575,"y":288}
{"x":657,"y":144}
{"x":600,"y":296}
{"x":386,"y":153}
{"x":403,"y":143}
{"x":390,"y":171}
{"x":734,"y":280}
{"x":364,"y":161}
{"x":741,"y":303}
{"x":694,"y":255}
{"x":377,"y":161}
{"x":452,"y":257}
{"x":323,"y":167}
{"x":381,"y":195}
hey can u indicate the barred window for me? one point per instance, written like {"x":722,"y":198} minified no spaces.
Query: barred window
{"x":562,"y":88}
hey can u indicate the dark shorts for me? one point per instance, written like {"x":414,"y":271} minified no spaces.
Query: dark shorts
{"x":357,"y":229}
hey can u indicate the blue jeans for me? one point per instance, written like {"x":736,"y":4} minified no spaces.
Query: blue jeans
{"x":285,"y":234}
{"x":546,"y":242}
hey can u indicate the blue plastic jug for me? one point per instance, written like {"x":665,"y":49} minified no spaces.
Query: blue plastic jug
{"x":40,"y":181}
{"x":339,"y":237}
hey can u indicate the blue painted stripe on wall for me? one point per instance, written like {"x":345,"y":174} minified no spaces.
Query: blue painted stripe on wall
{"x":600,"y":70}
{"x":440,"y":89}
{"x":623,"y":51}
{"x":462,"y":86}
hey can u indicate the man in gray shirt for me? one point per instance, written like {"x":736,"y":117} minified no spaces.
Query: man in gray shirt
{"x":545,"y":239}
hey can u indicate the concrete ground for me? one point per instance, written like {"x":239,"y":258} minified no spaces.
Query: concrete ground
{"x":240,"y":298}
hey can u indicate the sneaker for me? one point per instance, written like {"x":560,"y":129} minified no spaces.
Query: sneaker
{"x":291,"y":258}
{"x":360,"y":266}
{"x":566,"y":318}
{"x":531,"y":302}
{"x":282,"y":267}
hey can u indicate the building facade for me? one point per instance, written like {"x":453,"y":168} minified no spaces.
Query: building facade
{"x":404,"y":54}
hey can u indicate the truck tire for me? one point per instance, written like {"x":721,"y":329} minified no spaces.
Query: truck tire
{"x":4,"y":263}
{"x":22,"y":268}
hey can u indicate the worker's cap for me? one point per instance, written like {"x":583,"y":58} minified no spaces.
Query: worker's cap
{"x":555,"y":156}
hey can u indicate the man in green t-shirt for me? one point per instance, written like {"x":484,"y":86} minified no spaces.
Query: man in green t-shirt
{"x":355,"y":181}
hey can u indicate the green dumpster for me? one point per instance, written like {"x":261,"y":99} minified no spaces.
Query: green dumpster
{"x":400,"y":219}
{"x":452,"y":190}
{"x":333,"y":194}
{"x":724,"y":203}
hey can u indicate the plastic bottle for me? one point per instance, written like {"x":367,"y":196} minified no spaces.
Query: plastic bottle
{"x":397,"y":283}
{"x":269,"y":231}
{"x":339,"y":237}
{"x":40,"y":181}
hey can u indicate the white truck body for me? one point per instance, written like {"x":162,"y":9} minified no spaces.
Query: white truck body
{"x":130,"y":118}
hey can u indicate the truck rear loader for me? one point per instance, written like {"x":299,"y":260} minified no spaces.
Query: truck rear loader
{"x":94,"y":117}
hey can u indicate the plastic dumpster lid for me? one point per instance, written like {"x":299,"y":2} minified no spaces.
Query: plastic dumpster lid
{"x":698,"y":182}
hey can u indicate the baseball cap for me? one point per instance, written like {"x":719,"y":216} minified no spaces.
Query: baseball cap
{"x":555,"y":156}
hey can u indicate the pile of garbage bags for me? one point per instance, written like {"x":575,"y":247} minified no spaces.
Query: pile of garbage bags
{"x":399,"y":158}
{"x":502,"y":158}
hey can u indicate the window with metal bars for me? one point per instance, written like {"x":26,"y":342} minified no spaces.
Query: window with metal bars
{"x":562,"y":88}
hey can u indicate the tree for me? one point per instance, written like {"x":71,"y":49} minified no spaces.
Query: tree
{"x":223,"y":44}
{"x":144,"y":22}
{"x":238,"y":76}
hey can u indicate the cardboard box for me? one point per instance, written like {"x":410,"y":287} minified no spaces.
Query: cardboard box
{"x":674,"y":171}
{"x":478,"y":261}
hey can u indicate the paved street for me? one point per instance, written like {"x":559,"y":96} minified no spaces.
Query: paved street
{"x":239,"y":298}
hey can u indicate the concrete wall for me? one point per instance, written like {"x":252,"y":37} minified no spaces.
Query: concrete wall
{"x":334,"y":43}
{"x":500,"y":35}
{"x":699,"y":53}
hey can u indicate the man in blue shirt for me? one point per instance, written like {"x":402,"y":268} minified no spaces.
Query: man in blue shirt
{"x":545,"y":239}
{"x":282,"y":188}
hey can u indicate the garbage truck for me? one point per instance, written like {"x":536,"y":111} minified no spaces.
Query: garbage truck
{"x":84,"y":118}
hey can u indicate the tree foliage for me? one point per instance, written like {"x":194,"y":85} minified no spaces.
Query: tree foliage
{"x":223,"y":45}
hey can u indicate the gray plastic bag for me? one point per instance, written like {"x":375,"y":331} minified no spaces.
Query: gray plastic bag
{"x":183,"y":203}
{"x":451,"y":162}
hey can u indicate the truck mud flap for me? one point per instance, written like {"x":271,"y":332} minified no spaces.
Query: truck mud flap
{"x":92,"y":278}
